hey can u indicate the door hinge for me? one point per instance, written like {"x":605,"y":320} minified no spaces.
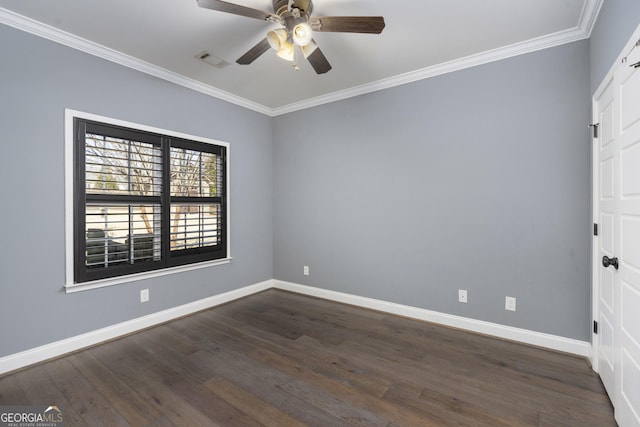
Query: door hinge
{"x":594,"y":126}
{"x":595,"y":327}
{"x":595,"y":229}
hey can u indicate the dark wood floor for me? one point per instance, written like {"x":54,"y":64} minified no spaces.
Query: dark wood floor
{"x":281,"y":359}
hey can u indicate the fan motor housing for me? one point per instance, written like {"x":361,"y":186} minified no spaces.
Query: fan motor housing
{"x":281,"y":7}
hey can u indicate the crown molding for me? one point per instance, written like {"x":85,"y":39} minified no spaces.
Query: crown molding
{"x":48,"y":32}
{"x":589,"y":16}
{"x":582,"y":31}
{"x":470,"y":61}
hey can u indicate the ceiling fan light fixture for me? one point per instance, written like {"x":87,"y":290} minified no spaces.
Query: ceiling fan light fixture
{"x":296,"y":27}
{"x":277,"y":38}
{"x":286,"y":51}
{"x":302,"y":34}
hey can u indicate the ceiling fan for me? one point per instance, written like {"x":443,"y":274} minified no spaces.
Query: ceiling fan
{"x":296,"y":29}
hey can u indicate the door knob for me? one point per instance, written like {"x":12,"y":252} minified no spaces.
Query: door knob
{"x":606,"y":261}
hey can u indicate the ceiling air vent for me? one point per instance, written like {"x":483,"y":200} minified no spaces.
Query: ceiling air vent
{"x":211,"y":59}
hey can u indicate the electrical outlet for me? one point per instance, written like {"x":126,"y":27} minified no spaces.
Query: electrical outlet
{"x":144,"y":295}
{"x":462,"y":295}
{"x":510,"y":303}
{"x":306,"y":270}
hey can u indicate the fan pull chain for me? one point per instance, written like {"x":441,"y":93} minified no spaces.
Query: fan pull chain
{"x":293,"y":63}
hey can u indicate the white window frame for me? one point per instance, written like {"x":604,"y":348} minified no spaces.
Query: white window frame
{"x":70,"y":286}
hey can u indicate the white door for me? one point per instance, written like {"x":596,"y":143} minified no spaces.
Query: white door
{"x":617,"y":158}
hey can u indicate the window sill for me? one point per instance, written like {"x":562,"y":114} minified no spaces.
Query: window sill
{"x":79,"y":287}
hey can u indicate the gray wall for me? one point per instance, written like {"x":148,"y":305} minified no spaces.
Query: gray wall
{"x":474,"y":180}
{"x":38,"y":80}
{"x":616,"y":23}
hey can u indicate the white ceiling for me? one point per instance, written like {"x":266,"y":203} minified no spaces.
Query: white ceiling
{"x":422,"y":38}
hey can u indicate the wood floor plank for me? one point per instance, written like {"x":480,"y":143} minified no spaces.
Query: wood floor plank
{"x":346,"y":391}
{"x":296,"y":393}
{"x":40,"y":390}
{"x":121,"y":395}
{"x":282,"y":359}
{"x":10,"y":391}
{"x":161,"y":422}
{"x":190,"y":387}
{"x":141,"y":371}
{"x":482,"y":372}
{"x":263,"y":412}
{"x":348,"y":382}
{"x":85,"y":400}
{"x":299,"y":355}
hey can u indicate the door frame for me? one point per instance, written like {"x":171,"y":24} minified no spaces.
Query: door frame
{"x":595,"y":206}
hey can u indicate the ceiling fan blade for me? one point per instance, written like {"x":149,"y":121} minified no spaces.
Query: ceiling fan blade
{"x":253,"y":53}
{"x":318,"y":61}
{"x":347,"y":24}
{"x":237,"y":9}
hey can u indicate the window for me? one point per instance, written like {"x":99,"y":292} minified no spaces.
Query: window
{"x":145,"y":200}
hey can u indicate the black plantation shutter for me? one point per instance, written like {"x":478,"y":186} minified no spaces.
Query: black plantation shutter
{"x":145,"y":201}
{"x":197,"y":194}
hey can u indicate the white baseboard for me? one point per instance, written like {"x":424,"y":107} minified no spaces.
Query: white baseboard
{"x":58,"y":348}
{"x":553,"y":342}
